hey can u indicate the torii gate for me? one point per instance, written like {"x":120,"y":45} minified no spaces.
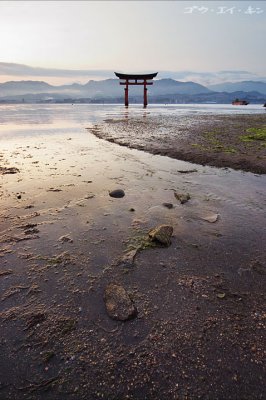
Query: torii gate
{"x":139,"y":79}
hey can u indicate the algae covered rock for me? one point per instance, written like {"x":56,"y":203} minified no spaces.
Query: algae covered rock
{"x":162,"y":234}
{"x":182,"y":197}
{"x":119,"y":305}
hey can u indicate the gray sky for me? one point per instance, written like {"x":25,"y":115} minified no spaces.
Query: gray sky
{"x":134,"y":36}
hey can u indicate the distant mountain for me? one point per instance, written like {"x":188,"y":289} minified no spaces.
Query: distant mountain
{"x":211,"y":97}
{"x":21,"y":87}
{"x":245,"y":86}
{"x":95,"y":89}
{"x":109,"y":91}
{"x":204,"y":77}
{"x":170,"y":86}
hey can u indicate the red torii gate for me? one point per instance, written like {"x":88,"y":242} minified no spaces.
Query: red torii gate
{"x":139,"y":79}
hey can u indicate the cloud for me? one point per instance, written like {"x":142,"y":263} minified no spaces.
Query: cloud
{"x":209,"y":78}
{"x":13,"y":69}
{"x":9,"y":71}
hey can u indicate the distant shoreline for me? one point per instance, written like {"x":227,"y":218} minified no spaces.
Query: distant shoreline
{"x":121,"y":103}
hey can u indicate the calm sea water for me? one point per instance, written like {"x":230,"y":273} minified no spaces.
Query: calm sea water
{"x":51,"y":147}
{"x":22,"y":117}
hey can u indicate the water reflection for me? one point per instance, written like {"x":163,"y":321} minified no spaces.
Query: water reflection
{"x":22,"y":119}
{"x":86,"y":159}
{"x":37,"y":114}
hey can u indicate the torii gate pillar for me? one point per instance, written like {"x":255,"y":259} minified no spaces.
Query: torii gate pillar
{"x":126,"y":94}
{"x":145,"y":95}
{"x":138,"y":79}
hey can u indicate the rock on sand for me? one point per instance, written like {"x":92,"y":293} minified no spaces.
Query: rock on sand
{"x":162,"y":234}
{"x":118,"y":304}
{"x":117,"y":193}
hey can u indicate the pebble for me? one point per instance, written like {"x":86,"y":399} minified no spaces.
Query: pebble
{"x":211,"y":218}
{"x":168,"y":205}
{"x":66,"y":238}
{"x":117,"y":193}
{"x":127,"y":260}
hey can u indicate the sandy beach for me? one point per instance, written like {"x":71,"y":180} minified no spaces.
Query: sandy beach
{"x":193,"y":310}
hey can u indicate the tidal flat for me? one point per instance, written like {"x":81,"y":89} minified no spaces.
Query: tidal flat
{"x":231,"y":140}
{"x":195,"y":327}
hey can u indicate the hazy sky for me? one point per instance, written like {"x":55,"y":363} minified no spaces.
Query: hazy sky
{"x":134,"y":35}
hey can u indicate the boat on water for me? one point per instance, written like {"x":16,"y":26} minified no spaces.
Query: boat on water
{"x":238,"y":102}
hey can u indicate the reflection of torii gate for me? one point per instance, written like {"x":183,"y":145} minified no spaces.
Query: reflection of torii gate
{"x":138,"y":80}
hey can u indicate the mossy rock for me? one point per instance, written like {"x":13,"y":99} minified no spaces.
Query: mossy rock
{"x":162,"y":234}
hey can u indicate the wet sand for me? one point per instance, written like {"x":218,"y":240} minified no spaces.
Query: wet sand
{"x":217,"y":140}
{"x":199,"y":332}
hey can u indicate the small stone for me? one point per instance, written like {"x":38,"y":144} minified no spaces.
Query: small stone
{"x":168,"y":205}
{"x":117,"y":193}
{"x":187,"y":171}
{"x":54,"y":190}
{"x":127,"y":260}
{"x":89,"y":196}
{"x":66,"y":238}
{"x":5,"y":170}
{"x":118,"y":304}
{"x":182,"y":197}
{"x":31,"y":231}
{"x":19,"y":196}
{"x":6,"y":272}
{"x":162,"y":234}
{"x":211,"y":218}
